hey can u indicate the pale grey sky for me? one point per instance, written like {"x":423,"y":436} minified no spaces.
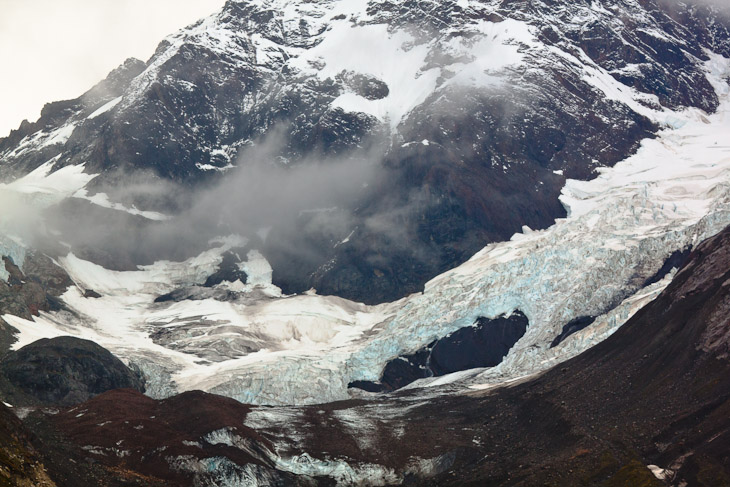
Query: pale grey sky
{"x":57,"y":49}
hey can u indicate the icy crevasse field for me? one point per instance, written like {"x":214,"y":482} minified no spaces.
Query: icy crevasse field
{"x":263,"y":347}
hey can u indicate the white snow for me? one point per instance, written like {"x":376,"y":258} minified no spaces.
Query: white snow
{"x":395,"y":58}
{"x":102,"y":199}
{"x":44,"y":187}
{"x":660,"y":473}
{"x":259,"y":272}
{"x":210,"y":167}
{"x":345,"y":240}
{"x":50,"y":187}
{"x":340,"y":470}
{"x":58,"y":136}
{"x":495,"y":47}
{"x":372,"y":50}
{"x":105,"y":108}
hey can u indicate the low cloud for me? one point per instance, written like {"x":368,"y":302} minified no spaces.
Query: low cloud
{"x":18,"y":216}
{"x":306,"y":202}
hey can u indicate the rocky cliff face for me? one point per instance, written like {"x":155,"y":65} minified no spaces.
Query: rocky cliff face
{"x":26,"y":294}
{"x":476,"y":113}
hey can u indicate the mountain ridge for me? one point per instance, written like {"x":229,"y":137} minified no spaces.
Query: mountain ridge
{"x":493,"y":154}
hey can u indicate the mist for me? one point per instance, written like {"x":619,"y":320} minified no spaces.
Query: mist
{"x":261,"y":193}
{"x":18,"y":216}
{"x":305,"y":202}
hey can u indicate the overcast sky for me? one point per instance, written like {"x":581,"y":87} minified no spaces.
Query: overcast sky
{"x":57,"y":49}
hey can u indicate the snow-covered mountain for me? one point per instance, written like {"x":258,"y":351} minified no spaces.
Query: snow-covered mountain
{"x":475,"y":114}
{"x":251,"y":342}
{"x":294,"y":203}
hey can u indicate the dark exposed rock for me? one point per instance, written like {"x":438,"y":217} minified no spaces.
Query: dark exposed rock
{"x":228,"y":270}
{"x":90,"y":293}
{"x":184,"y":440}
{"x":7,"y":337}
{"x":27,"y":293}
{"x":482,"y":345}
{"x":368,"y":87}
{"x":64,"y":371}
{"x":114,"y":84}
{"x":369,"y":386}
{"x":674,"y":261}
{"x":21,"y":297}
{"x":41,"y":269}
{"x":196,"y":293}
{"x":571,"y":327}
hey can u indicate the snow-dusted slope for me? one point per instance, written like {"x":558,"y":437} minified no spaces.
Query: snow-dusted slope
{"x":261,"y":347}
{"x":44,"y":187}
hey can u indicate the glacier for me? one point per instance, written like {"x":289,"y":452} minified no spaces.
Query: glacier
{"x":15,"y":250}
{"x":303,"y":349}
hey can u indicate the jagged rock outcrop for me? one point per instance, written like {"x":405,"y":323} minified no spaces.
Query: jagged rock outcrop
{"x":26,"y":293}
